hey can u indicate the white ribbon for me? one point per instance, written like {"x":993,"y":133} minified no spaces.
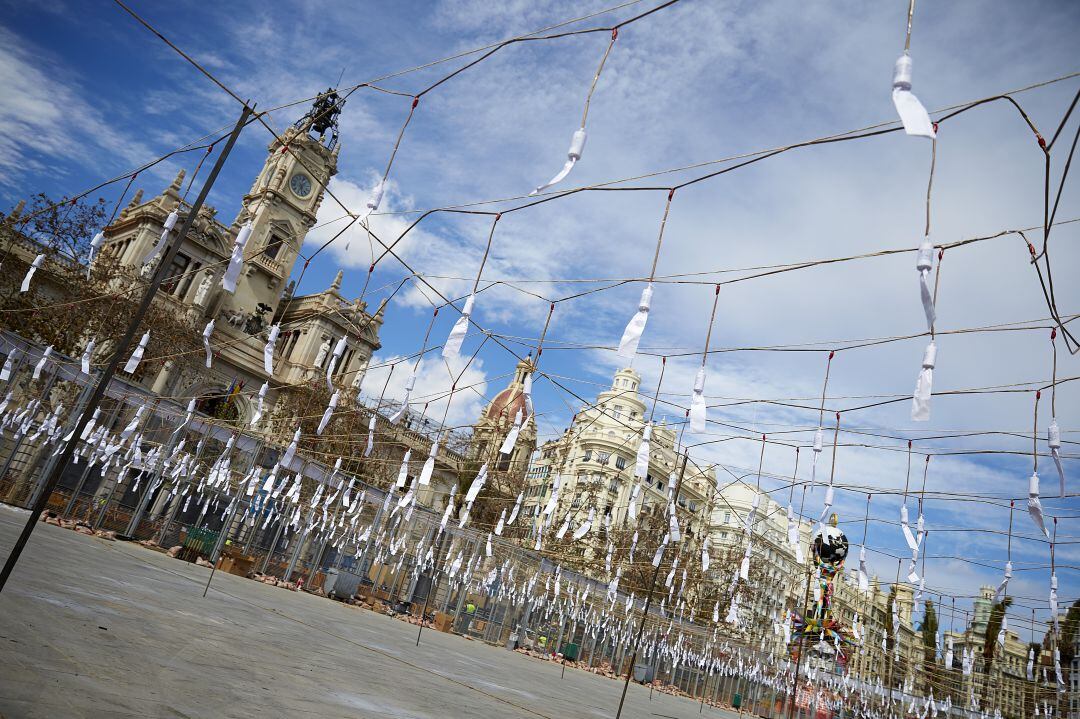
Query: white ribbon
{"x":34,"y":266}
{"x":920,"y":401}
{"x":526,"y":391}
{"x":157,"y":249}
{"x":408,"y":497}
{"x":1034,"y":505}
{"x":477,"y":485}
{"x":95,"y":245}
{"x":400,"y":412}
{"x":577,"y":146}
{"x":236,"y":261}
{"x":448,"y":511}
{"x":42,"y":362}
{"x":370,"y":436}
{"x":137,"y":355}
{"x":582,"y":530}
{"x":452,"y":346}
{"x":512,"y":436}
{"x":673,"y":524}
{"x":429,"y":465}
{"x":516,"y":509}
{"x":403,"y":470}
{"x":659,"y":552}
{"x":1053,"y":601}
{"x":132,"y":425}
{"x":908,"y":536}
{"x":290,"y":451}
{"x":339,"y":350}
{"x":187,"y":419}
{"x":792,"y":530}
{"x":698,"y":409}
{"x":207,"y":331}
{"x":373,"y":201}
{"x":9,"y":363}
{"x":733,"y":611}
{"x":268,"y":350}
{"x":329,"y":411}
{"x":641,"y":465}
{"x":864,"y":577}
{"x":87,"y":354}
{"x":268,"y":485}
{"x":501,"y":524}
{"x":744,"y":566}
{"x":829,"y":497}
{"x":1004,"y":582}
{"x":259,"y":409}
{"x":705,"y":555}
{"x":1053,"y":439}
{"x":628,"y":345}
{"x":924,"y":264}
{"x":912,"y":113}
{"x":631,"y":507}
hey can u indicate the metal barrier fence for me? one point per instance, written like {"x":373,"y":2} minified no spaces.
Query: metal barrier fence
{"x":138,"y":503}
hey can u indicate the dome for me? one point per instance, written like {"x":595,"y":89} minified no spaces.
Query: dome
{"x":510,"y":400}
{"x":506,"y":404}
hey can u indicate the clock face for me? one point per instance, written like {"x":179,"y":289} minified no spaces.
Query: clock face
{"x":300,"y":184}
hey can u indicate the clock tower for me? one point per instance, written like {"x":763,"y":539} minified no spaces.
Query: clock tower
{"x":282,"y":205}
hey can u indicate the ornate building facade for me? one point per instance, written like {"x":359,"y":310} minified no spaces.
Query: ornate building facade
{"x":281,"y":207}
{"x":595,"y":459}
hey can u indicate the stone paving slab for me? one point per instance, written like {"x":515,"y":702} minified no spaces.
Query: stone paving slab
{"x":92,"y":628}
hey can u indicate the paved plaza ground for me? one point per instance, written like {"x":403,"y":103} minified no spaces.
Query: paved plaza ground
{"x":92,"y":628}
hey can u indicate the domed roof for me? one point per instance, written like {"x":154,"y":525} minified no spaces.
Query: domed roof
{"x":506,"y":404}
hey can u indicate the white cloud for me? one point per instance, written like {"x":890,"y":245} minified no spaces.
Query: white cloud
{"x":431,"y":395}
{"x":43,"y":117}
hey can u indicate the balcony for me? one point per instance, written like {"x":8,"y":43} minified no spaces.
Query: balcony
{"x":269,"y":264}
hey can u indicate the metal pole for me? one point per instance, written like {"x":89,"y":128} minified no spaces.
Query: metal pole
{"x":431,"y":584}
{"x":423,"y":612}
{"x":648,"y":597}
{"x":227,"y":526}
{"x":802,"y":649}
{"x":119,"y":354}
{"x":273,"y":544}
{"x":153,"y":482}
{"x":299,"y":545}
{"x":121,"y":476}
{"x":221,"y":538}
{"x":322,"y":548}
{"x":176,"y":506}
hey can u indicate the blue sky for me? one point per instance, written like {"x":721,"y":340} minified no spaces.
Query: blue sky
{"x":89,"y":94}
